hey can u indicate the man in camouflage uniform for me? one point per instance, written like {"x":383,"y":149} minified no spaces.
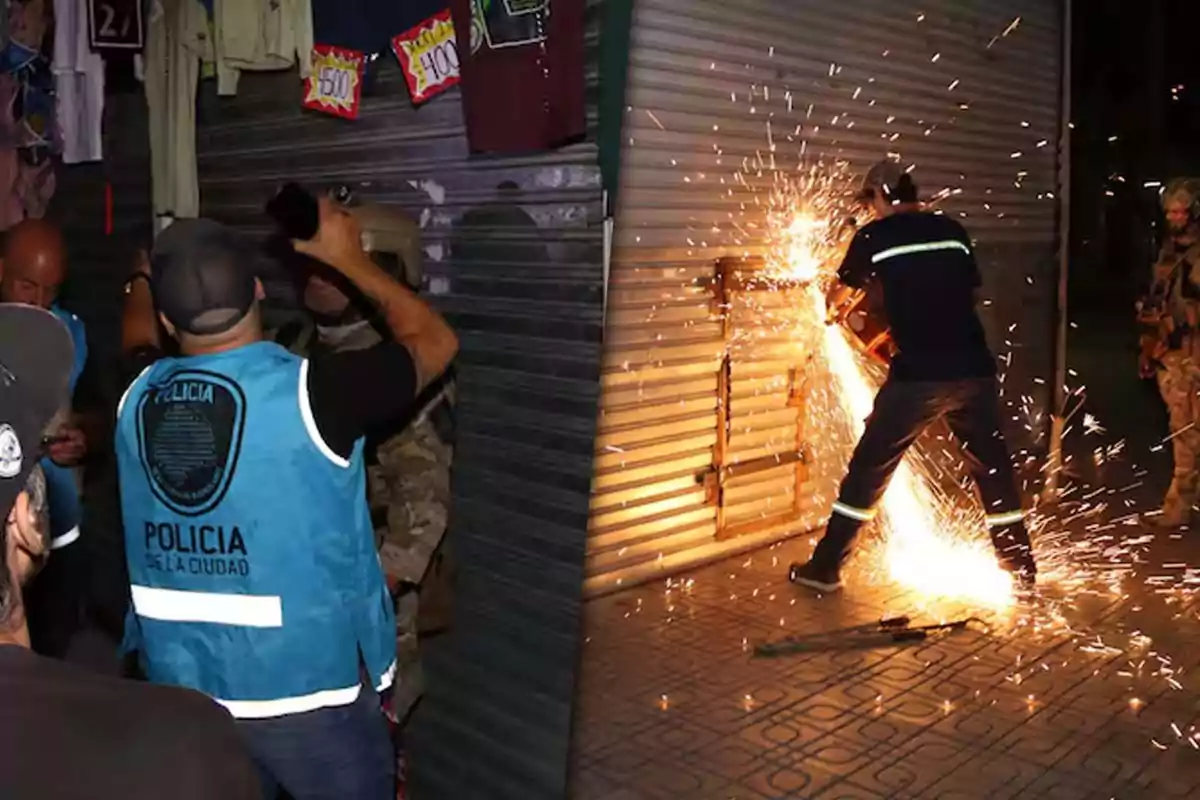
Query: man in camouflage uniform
{"x":408,"y":463}
{"x":1171,"y":313}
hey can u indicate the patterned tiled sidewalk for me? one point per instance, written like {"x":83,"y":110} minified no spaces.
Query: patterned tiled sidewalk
{"x":672,"y":704}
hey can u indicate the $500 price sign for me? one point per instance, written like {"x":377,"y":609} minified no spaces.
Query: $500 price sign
{"x":335,"y":82}
{"x":428,"y":54}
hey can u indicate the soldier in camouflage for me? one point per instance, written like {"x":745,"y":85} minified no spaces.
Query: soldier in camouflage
{"x":1171,"y":314}
{"x":408,"y":465}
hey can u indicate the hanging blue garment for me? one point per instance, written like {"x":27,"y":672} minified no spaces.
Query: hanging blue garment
{"x":62,"y":490}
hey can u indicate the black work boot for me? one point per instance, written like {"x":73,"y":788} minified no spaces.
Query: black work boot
{"x":815,"y":576}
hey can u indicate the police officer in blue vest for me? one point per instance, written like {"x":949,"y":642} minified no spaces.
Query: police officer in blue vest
{"x":253,"y":571}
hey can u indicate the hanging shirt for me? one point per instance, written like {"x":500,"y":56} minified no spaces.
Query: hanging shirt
{"x":260,"y":35}
{"x":78,"y":84}
{"x":177,"y":38}
{"x":368,"y":25}
{"x":27,"y":177}
{"x":522,"y":73}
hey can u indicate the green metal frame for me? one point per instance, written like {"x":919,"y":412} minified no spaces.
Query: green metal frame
{"x":614,"y":72}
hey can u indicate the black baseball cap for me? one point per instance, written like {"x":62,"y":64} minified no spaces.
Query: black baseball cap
{"x":36,"y":355}
{"x":201,"y":277}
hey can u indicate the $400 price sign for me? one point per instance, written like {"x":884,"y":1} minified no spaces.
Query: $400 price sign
{"x":428,"y":54}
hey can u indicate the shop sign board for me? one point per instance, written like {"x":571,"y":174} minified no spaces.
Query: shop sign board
{"x":115,"y":25}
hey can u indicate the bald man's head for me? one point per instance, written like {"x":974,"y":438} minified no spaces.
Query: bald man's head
{"x":33,"y":264}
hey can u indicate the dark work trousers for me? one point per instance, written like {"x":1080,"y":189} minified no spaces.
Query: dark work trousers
{"x":339,"y":753}
{"x":54,"y":600}
{"x":903,"y":411}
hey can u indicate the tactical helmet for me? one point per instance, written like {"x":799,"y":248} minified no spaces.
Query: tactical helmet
{"x":391,"y":237}
{"x":1186,"y":190}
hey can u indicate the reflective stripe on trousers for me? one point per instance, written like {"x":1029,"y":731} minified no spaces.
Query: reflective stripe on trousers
{"x":1004,"y":518}
{"x":859,"y":514}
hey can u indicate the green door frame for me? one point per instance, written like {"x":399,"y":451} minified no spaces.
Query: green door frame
{"x":614,"y":72}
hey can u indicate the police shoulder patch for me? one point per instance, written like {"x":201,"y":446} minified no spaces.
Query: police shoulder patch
{"x":189,"y":430}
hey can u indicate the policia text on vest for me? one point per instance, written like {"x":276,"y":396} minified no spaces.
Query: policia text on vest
{"x":196,"y":549}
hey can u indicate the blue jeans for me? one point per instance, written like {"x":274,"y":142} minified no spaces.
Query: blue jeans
{"x":341,"y":753}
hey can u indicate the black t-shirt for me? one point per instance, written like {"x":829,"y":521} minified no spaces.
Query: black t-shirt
{"x":72,"y":734}
{"x":926,"y":266}
{"x":350,"y":392}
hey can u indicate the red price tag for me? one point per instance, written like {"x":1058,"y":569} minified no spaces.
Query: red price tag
{"x":335,"y":83}
{"x":428,"y":54}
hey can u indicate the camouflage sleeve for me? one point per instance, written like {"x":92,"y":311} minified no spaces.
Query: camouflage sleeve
{"x":410,"y":489}
{"x":1157,"y":269}
{"x":1190,"y":274}
{"x":1160,"y":277}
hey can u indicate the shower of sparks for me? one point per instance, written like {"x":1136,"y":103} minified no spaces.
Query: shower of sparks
{"x":925,"y":546}
{"x":931,"y":538}
{"x":1012,"y":26}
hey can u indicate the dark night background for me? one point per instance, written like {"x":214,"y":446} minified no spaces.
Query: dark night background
{"x":1127,"y":58}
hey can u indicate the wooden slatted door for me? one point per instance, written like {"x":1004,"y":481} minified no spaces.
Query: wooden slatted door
{"x":760,"y":465}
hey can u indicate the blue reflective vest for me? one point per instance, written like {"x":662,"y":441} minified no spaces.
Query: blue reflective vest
{"x":62,"y":490}
{"x":252,"y":561}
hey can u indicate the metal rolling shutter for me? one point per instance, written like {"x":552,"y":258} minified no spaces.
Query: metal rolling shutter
{"x":527,"y":304}
{"x":939,"y":82}
{"x":99,"y":262}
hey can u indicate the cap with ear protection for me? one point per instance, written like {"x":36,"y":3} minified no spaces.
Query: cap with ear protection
{"x":884,"y":176}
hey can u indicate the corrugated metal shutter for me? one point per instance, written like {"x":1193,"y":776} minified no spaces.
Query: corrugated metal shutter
{"x":966,"y":91}
{"x":100,"y":263}
{"x":526,"y":301}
